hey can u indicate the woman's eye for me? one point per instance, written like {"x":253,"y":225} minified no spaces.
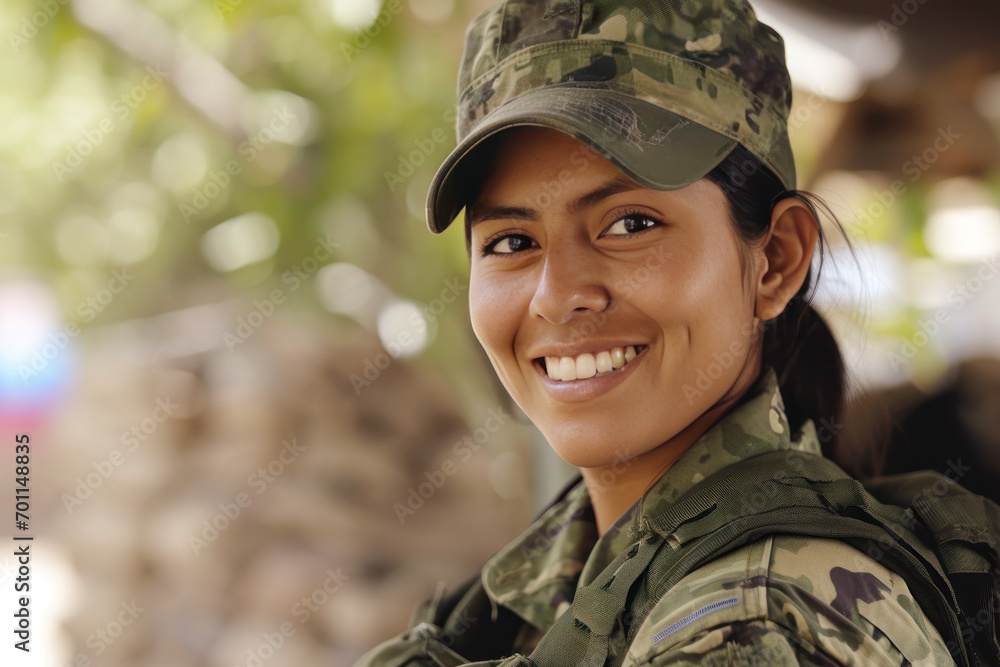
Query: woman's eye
{"x":631,"y":224}
{"x":508,"y":245}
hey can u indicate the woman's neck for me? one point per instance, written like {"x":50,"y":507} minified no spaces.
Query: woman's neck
{"x":617,"y":486}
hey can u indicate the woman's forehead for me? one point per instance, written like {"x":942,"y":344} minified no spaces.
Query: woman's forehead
{"x":537,"y":167}
{"x":523,"y":153}
{"x":533,"y":139}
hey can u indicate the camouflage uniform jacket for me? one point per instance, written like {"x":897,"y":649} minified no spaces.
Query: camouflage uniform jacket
{"x":782,"y":600}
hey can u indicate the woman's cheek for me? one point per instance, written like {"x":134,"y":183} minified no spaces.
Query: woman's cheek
{"x":478,"y":312}
{"x":491,"y":312}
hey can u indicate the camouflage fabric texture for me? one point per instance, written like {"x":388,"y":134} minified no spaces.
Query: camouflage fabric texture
{"x":664,"y":88}
{"x":781,"y":600}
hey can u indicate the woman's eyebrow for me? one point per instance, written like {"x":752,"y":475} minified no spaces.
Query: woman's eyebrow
{"x":479,"y":214}
{"x":615,"y":186}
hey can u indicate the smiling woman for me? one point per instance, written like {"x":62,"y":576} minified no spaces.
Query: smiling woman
{"x":639,"y":279}
{"x":539,"y":275}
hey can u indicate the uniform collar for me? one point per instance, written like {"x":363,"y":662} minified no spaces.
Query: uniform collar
{"x":537,"y":574}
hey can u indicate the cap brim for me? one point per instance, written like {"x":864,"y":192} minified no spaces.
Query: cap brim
{"x":655,"y":147}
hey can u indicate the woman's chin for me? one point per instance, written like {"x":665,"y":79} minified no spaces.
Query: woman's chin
{"x":597,"y":454}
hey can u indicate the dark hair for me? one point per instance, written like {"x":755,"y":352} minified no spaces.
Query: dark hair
{"x":798,"y":343}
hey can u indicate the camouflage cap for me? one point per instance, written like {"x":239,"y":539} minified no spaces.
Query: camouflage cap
{"x":665,"y":89}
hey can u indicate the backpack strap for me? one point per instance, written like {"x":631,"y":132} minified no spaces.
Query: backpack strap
{"x":465,"y":618}
{"x":966,"y":528}
{"x":790,"y":492}
{"x":590,"y":630}
{"x":807,"y":494}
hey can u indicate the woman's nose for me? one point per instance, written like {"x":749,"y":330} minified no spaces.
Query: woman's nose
{"x":570,"y":282}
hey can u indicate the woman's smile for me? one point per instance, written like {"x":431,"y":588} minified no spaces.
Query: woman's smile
{"x":588,"y":375}
{"x":589,"y":364}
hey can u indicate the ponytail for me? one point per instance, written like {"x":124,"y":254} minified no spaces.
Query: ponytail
{"x":798,"y":343}
{"x":810,"y":369}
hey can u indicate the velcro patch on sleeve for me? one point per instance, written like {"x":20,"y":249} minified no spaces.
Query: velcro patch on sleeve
{"x":691,"y":618}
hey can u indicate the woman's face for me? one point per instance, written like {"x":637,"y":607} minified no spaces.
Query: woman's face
{"x":570,"y":261}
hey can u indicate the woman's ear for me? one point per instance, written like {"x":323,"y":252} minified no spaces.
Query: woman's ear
{"x":787,"y":253}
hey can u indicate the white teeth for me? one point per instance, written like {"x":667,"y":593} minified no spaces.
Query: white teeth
{"x":603,"y":362}
{"x":588,"y":365}
{"x":567,"y":368}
